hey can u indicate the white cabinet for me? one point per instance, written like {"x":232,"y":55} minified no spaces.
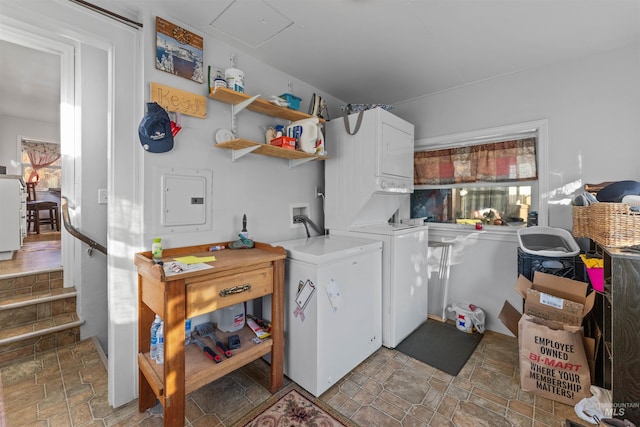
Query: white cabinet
{"x":333,"y":312}
{"x":13,"y":215}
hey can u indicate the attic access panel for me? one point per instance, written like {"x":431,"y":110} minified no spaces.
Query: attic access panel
{"x":251,"y":22}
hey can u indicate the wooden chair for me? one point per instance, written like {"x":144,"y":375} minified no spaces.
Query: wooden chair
{"x":35,"y":206}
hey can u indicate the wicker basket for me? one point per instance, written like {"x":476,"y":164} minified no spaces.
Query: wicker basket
{"x":610,"y":224}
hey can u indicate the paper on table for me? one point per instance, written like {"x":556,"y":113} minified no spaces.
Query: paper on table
{"x":191,"y":259}
{"x":173,"y":268}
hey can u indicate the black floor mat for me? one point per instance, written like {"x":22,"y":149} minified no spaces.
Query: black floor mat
{"x":441,"y":345}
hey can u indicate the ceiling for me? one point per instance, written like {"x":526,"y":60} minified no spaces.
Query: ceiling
{"x":388,"y":51}
{"x":29,"y":83}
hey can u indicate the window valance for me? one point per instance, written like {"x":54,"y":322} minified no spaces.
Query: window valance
{"x":503,"y":161}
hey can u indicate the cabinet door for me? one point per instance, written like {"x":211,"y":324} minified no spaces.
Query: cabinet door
{"x":10,"y":215}
{"x":625,"y":288}
{"x":395,"y":151}
{"x":349,"y":326}
{"x":409,"y":284}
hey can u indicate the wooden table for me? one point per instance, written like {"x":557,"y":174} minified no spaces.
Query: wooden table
{"x":237,"y":276}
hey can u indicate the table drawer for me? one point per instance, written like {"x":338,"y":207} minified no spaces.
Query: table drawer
{"x":210,"y":295}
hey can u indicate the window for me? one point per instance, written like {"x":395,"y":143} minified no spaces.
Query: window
{"x":491,"y":176}
{"x":41,"y":163}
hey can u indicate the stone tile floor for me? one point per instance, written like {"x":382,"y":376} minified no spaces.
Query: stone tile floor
{"x":68,"y":387}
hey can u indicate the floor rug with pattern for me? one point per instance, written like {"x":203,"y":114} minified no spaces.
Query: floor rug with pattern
{"x":294,"y":407}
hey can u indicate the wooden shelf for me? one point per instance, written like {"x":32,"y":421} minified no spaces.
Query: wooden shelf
{"x":241,"y":147}
{"x":199,"y":370}
{"x":258,"y":105}
{"x":188,"y":294}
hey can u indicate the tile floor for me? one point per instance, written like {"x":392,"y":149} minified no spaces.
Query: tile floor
{"x":68,"y":387}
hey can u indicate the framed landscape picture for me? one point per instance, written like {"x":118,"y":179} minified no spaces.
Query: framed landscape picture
{"x":179,"y":51}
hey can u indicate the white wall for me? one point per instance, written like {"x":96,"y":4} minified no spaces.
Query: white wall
{"x":260,"y":187}
{"x":12,"y":128}
{"x":592,"y":105}
{"x":91,"y":173}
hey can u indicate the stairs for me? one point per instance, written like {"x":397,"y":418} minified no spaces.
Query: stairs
{"x":36,"y":314}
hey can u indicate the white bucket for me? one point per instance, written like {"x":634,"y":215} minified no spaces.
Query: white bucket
{"x":235,"y":79}
{"x":468,"y":316}
{"x":230,"y":319}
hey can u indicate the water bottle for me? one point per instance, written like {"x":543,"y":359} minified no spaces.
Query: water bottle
{"x":160,"y":335}
{"x":187,"y":332}
{"x":153,"y":352}
{"x":156,"y":249}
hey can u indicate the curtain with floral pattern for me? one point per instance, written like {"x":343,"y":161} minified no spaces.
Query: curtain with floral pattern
{"x":41,"y":154}
{"x":504,"y":161}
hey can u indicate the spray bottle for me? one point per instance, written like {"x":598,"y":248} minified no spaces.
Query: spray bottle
{"x":244,"y":233}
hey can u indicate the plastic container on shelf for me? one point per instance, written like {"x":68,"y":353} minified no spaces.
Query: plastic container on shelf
{"x":153,"y":350}
{"x":156,"y":249}
{"x":294,"y":101}
{"x":230,"y":319}
{"x":235,"y":79}
{"x":187,"y":331}
{"x":160,"y":353}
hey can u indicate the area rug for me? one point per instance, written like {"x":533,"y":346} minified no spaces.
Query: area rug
{"x":441,"y":345}
{"x":294,"y":407}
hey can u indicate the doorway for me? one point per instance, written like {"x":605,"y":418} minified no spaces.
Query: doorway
{"x":30,"y":117}
{"x":45,"y":107}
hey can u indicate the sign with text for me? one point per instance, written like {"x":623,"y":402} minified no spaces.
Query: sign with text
{"x":553,"y":362}
{"x":179,"y":101}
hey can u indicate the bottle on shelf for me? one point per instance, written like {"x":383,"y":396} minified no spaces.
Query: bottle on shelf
{"x":187,"y":332}
{"x":232,"y":318}
{"x":153,"y":351}
{"x":156,"y":250}
{"x":160,"y":335}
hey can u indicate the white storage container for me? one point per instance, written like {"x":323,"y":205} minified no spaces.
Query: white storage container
{"x":547,"y":241}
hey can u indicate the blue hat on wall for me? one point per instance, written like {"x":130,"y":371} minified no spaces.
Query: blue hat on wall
{"x":155,"y":129}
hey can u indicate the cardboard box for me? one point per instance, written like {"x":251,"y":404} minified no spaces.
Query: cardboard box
{"x":555,"y":298}
{"x":554,"y":307}
{"x":284,"y":142}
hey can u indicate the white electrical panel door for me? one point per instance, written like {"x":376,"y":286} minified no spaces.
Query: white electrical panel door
{"x":183,"y":200}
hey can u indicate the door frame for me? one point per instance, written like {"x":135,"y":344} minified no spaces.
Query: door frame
{"x":22,"y":34}
{"x":73,"y":25}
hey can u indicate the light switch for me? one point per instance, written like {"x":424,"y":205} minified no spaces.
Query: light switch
{"x":103,"y":196}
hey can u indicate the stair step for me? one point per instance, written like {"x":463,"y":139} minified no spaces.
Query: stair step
{"x":24,"y":300}
{"x":25,"y":309}
{"x":25,"y":340}
{"x":39,"y":328}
